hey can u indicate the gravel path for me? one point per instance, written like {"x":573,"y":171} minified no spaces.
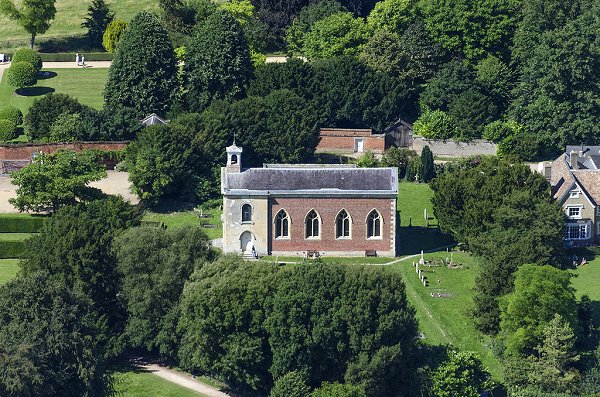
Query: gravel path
{"x":184,"y":380}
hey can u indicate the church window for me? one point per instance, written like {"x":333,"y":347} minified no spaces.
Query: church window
{"x":374,"y":225}
{"x":282,"y":225}
{"x":246,"y":213}
{"x":312,"y":224}
{"x":342,"y":225}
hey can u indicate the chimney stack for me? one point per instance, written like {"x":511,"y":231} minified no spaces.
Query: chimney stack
{"x":573,"y":159}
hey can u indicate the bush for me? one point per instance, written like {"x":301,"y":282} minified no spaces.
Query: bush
{"x":291,"y":384}
{"x":66,"y":128}
{"x":435,"y":124}
{"x":11,"y":113}
{"x":113,"y":34}
{"x":45,"y":110}
{"x":21,"y":74}
{"x":20,"y":224}
{"x":28,"y":55}
{"x":8,"y":130}
{"x":11,"y":249}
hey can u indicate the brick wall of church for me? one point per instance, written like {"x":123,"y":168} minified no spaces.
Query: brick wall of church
{"x":328,"y":208}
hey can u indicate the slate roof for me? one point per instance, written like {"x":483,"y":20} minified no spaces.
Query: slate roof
{"x":152,"y":120}
{"x":313,"y":180}
{"x":563,"y":179}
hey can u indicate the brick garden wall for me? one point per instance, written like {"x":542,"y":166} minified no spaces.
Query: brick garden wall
{"x":328,"y":208}
{"x":26,"y":150}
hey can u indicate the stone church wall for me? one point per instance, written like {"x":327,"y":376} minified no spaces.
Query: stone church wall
{"x":233,"y":227}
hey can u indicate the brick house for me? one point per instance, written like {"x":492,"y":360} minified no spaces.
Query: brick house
{"x":575,"y":180}
{"x":347,"y":140}
{"x":297,"y":209}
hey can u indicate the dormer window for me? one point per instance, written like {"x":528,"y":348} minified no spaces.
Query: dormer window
{"x":574,"y":193}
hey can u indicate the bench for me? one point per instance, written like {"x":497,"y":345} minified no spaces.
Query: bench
{"x":370,"y":253}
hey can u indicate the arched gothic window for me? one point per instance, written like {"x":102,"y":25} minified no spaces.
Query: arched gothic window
{"x":374,"y":225}
{"x":282,"y":225}
{"x":342,"y":225}
{"x":246,"y":213}
{"x":312,"y":224}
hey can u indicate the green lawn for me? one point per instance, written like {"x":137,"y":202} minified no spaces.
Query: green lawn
{"x":446,"y":320}
{"x":8,"y":269}
{"x":83,"y":84}
{"x":177,"y":219}
{"x":587,"y":279}
{"x":145,"y":384}
{"x":14,"y":236}
{"x":69,"y":15}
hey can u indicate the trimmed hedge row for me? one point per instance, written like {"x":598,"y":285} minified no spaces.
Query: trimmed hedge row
{"x":12,"y":249}
{"x":70,"y":57}
{"x":16,"y":224}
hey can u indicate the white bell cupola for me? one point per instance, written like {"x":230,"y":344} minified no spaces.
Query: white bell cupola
{"x":234,"y":158}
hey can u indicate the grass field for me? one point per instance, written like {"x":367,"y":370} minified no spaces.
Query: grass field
{"x":144,"y":384}
{"x":8,"y":269}
{"x":68,"y":19}
{"x":175,"y":219}
{"x":83,"y":84}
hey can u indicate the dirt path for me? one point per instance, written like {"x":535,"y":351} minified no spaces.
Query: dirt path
{"x":184,"y":380}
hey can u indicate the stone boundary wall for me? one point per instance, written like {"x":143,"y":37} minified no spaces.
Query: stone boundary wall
{"x":451,"y":148}
{"x":25,"y":151}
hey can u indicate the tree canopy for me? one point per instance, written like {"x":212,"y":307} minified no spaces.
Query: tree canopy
{"x":33,"y":15}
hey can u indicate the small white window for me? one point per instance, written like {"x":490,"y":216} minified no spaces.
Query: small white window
{"x":574,"y":212}
{"x":576,"y":232}
{"x":312,"y":223}
{"x":374,"y":225}
{"x":574,"y":193}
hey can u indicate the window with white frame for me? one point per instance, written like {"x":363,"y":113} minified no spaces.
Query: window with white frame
{"x":246,"y":213}
{"x":576,"y":232}
{"x":574,"y":193}
{"x":342,"y":225}
{"x":312,"y":223}
{"x":374,"y":225}
{"x":282,"y":225}
{"x":574,"y":212}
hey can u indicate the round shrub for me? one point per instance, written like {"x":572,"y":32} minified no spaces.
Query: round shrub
{"x":66,"y":128}
{"x":21,"y":74}
{"x":11,"y":113}
{"x":28,"y":55}
{"x":113,"y":34}
{"x":8,"y":130}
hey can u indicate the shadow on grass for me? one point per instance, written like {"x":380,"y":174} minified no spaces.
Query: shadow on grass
{"x":34,"y":91}
{"x":168,"y":206}
{"x":66,"y":44}
{"x":46,"y":74}
{"x":589,"y":253}
{"x":413,"y":239}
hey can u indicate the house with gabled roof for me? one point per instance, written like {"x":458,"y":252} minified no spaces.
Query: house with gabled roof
{"x":575,"y":180}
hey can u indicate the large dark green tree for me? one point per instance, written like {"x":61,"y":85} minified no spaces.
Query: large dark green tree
{"x":75,"y":247}
{"x":49,"y":342}
{"x":33,"y":15}
{"x":218,"y":62}
{"x":427,"y":166}
{"x":98,"y":18}
{"x":143,"y":74}
{"x":303,"y":23}
{"x":45,"y":110}
{"x":154,"y":264}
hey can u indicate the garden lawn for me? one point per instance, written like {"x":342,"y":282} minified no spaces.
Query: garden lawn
{"x":587,"y":279}
{"x":177,"y":219}
{"x":145,"y":384}
{"x":68,"y":19}
{"x":446,"y":320}
{"x":14,"y":236}
{"x":8,"y":269}
{"x":84,"y":84}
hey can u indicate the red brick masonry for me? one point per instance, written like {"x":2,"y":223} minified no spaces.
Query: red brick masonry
{"x":338,"y":140}
{"x":24,"y":151}
{"x":328,"y":208}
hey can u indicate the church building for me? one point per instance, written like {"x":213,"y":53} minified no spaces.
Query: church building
{"x":297,"y":210}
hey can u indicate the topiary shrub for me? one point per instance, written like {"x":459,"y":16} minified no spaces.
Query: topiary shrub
{"x":21,"y":74}
{"x":113,"y":34}
{"x":11,"y":113}
{"x":8,"y":130}
{"x":45,"y":110}
{"x":28,"y":55}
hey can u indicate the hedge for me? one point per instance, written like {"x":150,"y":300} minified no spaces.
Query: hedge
{"x":12,"y":249}
{"x":70,"y":56}
{"x":20,"y":224}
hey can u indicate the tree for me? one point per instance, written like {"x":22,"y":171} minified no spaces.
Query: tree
{"x":392,"y":15}
{"x":112,"y":34}
{"x":471,"y":29}
{"x":74,"y":246}
{"x":398,"y":157}
{"x":413,"y":169}
{"x":303,"y":23}
{"x":553,"y":365}
{"x":33,"y":15}
{"x":11,"y":113}
{"x":54,"y":180}
{"x":338,"y":390}
{"x":472,"y":110}
{"x":436,"y":124}
{"x":154,"y":264}
{"x":28,"y":55}
{"x":427,"y":166}
{"x":462,"y":374}
{"x":255,"y":31}
{"x":218,"y":64}
{"x":96,"y":22}
{"x":143,"y":73}
{"x":45,"y":110}
{"x":20,"y":75}
{"x":8,"y":130}
{"x":335,"y":35}
{"x":540,"y":292}
{"x":291,"y":384}
{"x":66,"y":128}
{"x":448,"y":83}
{"x":367,"y":160}
{"x":49,"y":341}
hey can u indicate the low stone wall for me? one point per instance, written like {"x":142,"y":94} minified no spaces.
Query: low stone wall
{"x":25,"y":151}
{"x":451,"y":148}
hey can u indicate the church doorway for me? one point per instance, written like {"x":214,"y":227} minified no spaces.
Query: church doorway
{"x":246,"y":241}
